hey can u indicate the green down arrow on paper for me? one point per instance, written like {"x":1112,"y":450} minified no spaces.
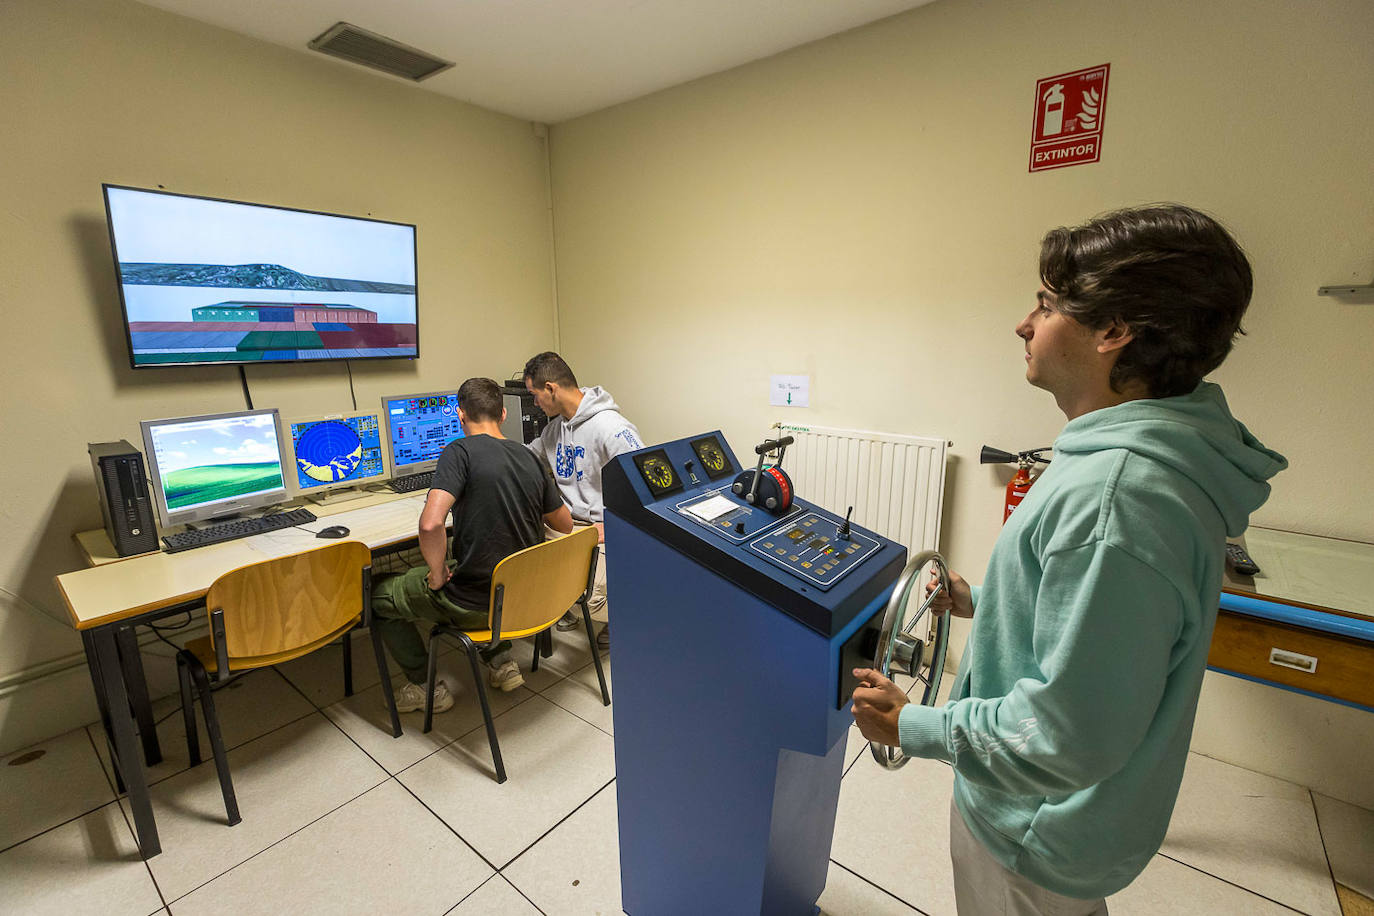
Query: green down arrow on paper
{"x":789,"y":397}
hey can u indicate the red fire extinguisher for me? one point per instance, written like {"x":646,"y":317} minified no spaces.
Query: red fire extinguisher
{"x":1022,"y":481}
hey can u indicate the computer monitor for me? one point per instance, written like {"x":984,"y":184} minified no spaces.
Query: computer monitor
{"x":333,"y":455}
{"x":418,"y":426}
{"x":204,"y":281}
{"x":214,"y":465}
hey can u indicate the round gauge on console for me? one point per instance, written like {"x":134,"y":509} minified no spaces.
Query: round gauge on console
{"x":658,"y":472}
{"x":712,"y":456}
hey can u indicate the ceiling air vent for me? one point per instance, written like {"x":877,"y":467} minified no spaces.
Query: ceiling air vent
{"x":378,"y":52}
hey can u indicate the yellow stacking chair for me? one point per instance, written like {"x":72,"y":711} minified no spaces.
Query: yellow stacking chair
{"x":271,"y":612}
{"x":530,"y":590}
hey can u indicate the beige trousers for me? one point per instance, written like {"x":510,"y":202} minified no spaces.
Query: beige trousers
{"x":597,"y":604}
{"x":982,"y":887}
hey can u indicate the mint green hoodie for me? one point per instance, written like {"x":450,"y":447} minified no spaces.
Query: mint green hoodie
{"x":1074,"y":703}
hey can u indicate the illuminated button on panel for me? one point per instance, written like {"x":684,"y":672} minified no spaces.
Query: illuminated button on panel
{"x":811,"y":550}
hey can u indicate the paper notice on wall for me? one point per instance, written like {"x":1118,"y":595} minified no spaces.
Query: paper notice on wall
{"x":790,"y":391}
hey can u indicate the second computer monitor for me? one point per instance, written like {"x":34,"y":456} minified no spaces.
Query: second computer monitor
{"x":418,"y":427}
{"x":335,"y":452}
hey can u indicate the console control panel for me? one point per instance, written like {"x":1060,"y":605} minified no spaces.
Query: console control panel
{"x":694,"y":495}
{"x":728,"y":516}
{"x":812,"y":547}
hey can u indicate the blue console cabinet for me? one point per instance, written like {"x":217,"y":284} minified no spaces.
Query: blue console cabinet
{"x":731,"y":663}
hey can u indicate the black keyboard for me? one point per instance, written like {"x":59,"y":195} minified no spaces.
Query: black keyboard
{"x":412,"y":482}
{"x":231,"y":531}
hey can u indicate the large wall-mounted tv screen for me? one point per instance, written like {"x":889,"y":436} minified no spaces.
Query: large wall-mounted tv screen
{"x":216,"y":281}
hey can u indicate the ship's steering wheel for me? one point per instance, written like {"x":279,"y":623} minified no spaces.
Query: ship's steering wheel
{"x":900,"y":651}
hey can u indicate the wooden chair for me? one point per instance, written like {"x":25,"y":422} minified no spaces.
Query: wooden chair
{"x":530,"y":590}
{"x":272,"y":612}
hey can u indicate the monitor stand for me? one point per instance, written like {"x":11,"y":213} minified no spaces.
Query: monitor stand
{"x":331,"y":497}
{"x":212,"y":521}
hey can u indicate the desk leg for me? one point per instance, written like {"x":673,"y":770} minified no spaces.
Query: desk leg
{"x":137,"y":683}
{"x":102,"y":702}
{"x":110,"y":681}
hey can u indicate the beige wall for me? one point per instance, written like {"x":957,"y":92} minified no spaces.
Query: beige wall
{"x":114,"y":91}
{"x":859,"y":210}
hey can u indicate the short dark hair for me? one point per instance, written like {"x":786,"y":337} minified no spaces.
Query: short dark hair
{"x":481,"y":400}
{"x":549,"y":367}
{"x":1173,"y":275}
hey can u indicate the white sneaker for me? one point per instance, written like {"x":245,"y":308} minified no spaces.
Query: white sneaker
{"x":410,"y":697}
{"x":506,"y":676}
{"x":570,"y":620}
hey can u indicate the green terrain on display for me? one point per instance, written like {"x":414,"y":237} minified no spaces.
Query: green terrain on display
{"x":191,"y":486}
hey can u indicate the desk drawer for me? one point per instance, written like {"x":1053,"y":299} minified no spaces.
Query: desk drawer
{"x":1341,"y":668}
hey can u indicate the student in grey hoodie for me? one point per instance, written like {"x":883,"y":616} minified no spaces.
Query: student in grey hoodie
{"x":1070,"y":719}
{"x":585,"y":431}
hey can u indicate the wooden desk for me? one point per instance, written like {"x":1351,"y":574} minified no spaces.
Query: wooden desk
{"x":116,"y":594}
{"x":1305,"y":622}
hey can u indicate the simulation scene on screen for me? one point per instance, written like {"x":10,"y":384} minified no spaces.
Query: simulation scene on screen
{"x":207,"y":281}
{"x":209,"y":461}
{"x":421,"y":427}
{"x":337,"y":450}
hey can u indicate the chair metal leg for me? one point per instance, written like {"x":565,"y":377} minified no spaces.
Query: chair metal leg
{"x":548,"y":644}
{"x":347,"y":663}
{"x":379,"y":650}
{"x":538,"y":644}
{"x":486,"y":711}
{"x":207,"y":706}
{"x":188,"y":710}
{"x":431,"y":677}
{"x":596,"y":654}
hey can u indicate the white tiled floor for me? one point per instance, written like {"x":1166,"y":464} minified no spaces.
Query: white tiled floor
{"x":339,"y":817}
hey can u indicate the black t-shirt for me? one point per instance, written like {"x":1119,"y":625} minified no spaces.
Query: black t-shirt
{"x":502,"y":492}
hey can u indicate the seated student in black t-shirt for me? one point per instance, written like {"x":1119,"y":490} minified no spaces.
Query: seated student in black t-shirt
{"x":501,"y":497}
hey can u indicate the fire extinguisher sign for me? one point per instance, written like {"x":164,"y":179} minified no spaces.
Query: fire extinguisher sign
{"x":1069,"y":111}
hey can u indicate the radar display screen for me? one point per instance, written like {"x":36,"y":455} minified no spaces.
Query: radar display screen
{"x":658,"y":472}
{"x":337,"y":450}
{"x":712,"y":456}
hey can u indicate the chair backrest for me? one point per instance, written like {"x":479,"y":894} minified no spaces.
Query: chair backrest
{"x":279,"y":609}
{"x":539,"y":583}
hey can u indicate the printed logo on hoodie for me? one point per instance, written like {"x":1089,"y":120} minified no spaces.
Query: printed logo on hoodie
{"x":566,"y":458}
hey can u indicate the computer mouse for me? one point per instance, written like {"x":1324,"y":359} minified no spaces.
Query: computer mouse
{"x":333,"y":531}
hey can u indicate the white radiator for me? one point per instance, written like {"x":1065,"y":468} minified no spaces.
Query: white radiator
{"x":896,"y":484}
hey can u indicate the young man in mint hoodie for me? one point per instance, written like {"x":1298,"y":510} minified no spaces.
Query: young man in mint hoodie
{"x":1070,"y":719}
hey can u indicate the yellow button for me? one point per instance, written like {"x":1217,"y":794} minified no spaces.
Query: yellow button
{"x":805,"y":565}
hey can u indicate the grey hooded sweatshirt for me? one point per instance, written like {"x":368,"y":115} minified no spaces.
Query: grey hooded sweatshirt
{"x":577,"y":450}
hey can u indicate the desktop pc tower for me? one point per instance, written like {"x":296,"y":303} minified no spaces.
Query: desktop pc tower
{"x":124,"y":502}
{"x":524,"y":420}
